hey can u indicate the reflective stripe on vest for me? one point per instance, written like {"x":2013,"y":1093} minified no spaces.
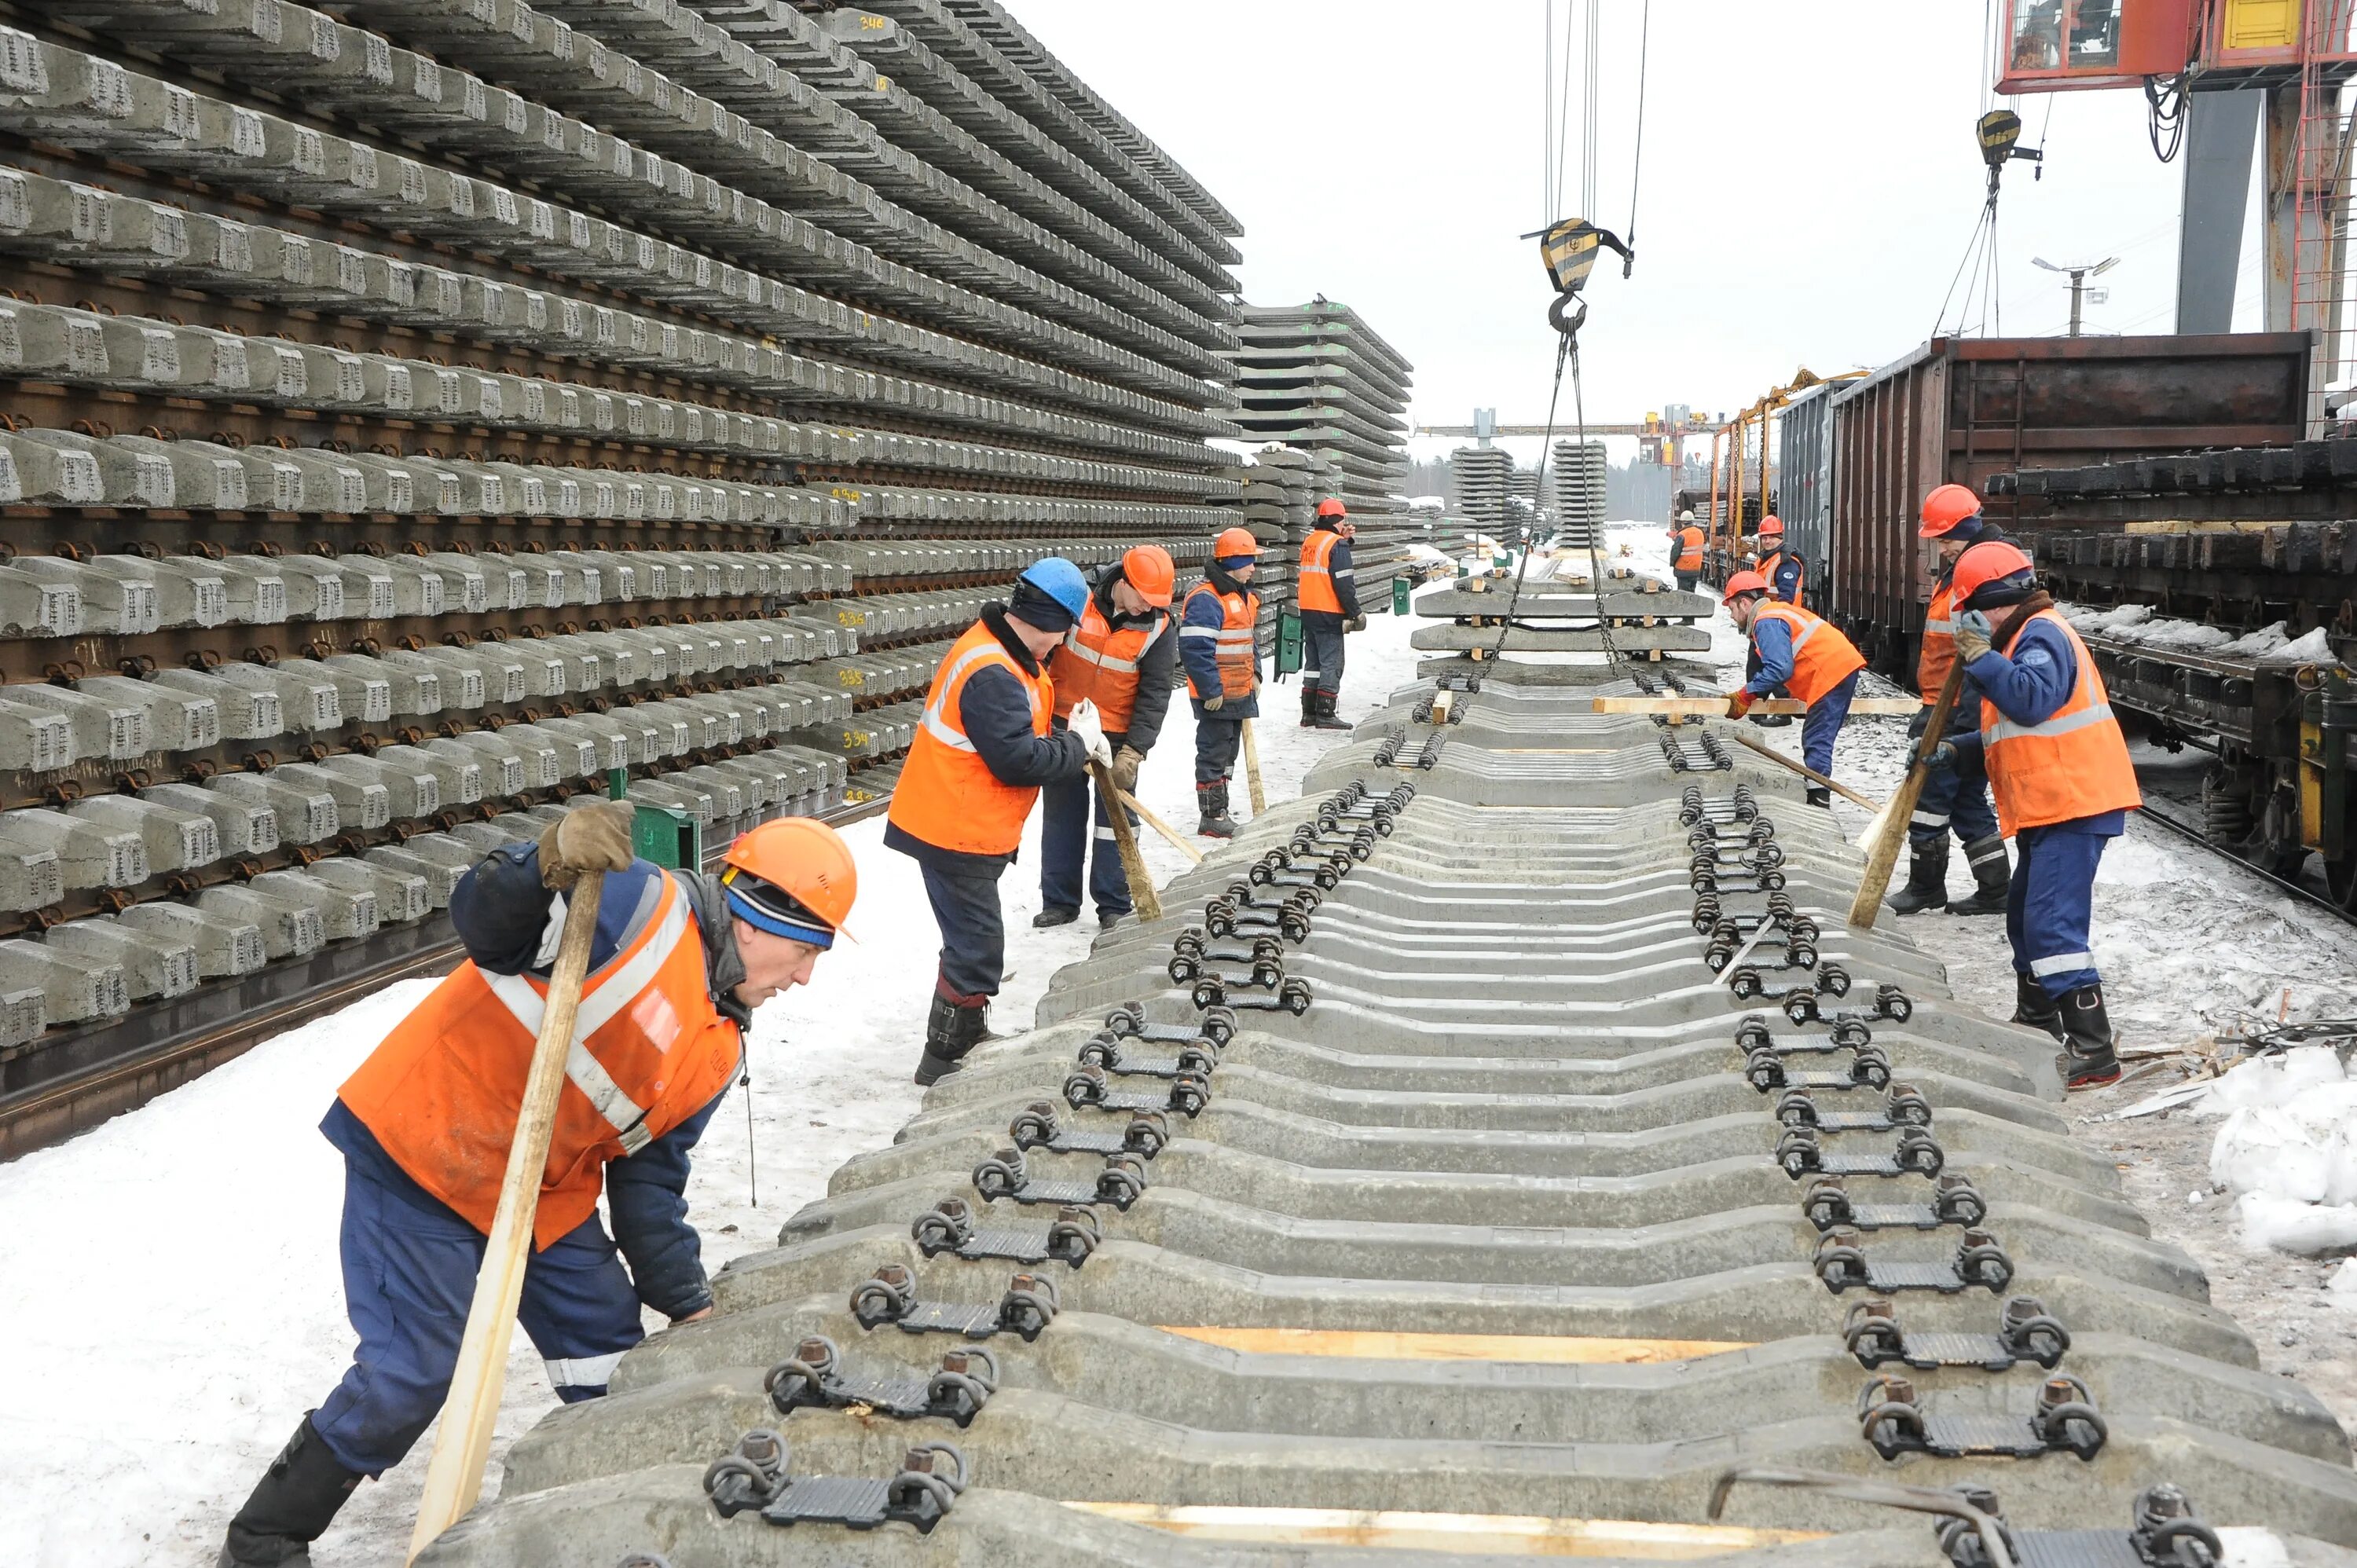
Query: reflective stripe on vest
{"x":1236,"y":641}
{"x":1821,"y":657}
{"x":1313,"y":585}
{"x":2071,"y":765}
{"x":1099,"y":664}
{"x":601,"y":1000}
{"x":1937,"y":655}
{"x":947,"y":795}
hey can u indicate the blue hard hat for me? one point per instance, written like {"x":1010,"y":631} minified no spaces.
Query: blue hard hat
{"x":1060,"y":581}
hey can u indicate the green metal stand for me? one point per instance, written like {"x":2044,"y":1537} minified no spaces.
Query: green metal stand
{"x":670,"y":839}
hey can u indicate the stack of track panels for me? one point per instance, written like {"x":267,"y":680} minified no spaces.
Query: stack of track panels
{"x":1491,"y":1151}
{"x":1485,"y":476}
{"x":1316,"y":378}
{"x":1635,"y":618}
{"x":411,"y":410}
{"x":1576,"y":487}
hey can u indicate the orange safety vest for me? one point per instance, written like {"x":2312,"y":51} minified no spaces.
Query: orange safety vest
{"x":1938,"y":654}
{"x":1099,"y":664}
{"x":947,"y":795}
{"x":1313,"y":585}
{"x":1821,"y":657}
{"x":1768,"y":569}
{"x":1690,"y":539}
{"x":444,"y":1091}
{"x":2074,"y":764}
{"x":1239,"y":649}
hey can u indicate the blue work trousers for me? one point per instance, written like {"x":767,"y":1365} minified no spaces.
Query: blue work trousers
{"x":1322,"y":651}
{"x":974,"y":936}
{"x":409,"y":1278}
{"x":1955,"y":798}
{"x":2049,"y":907}
{"x":1824,"y":721}
{"x":1217,"y":741}
{"x":1068,"y":835}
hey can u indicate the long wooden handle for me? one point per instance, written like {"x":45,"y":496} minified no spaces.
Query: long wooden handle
{"x":1252,"y":769}
{"x":1810,"y":773}
{"x":1133,"y":863}
{"x":1714,"y":707}
{"x":1194,"y":856}
{"x":1887,"y":835}
{"x":454,"y":1478}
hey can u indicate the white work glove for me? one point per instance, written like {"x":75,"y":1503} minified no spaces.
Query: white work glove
{"x":1084,"y":721}
{"x":1972,"y":635}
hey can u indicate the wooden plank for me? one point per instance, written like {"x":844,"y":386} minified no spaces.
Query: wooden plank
{"x":1519,"y":1535}
{"x":1716,"y":707}
{"x":454,"y":1476}
{"x":1384,"y":1345}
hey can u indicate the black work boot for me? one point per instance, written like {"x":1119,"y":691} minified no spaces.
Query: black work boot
{"x":294,"y":1500}
{"x":1927,"y":879}
{"x":2088,"y":1059}
{"x":1108,"y":919}
{"x":1211,"y":806}
{"x":1991,"y":875}
{"x":954,"y":1026}
{"x":1323,"y":701}
{"x":2032,"y":1007}
{"x":1818,"y":795}
{"x":1053,"y":916}
{"x":1309,"y":707}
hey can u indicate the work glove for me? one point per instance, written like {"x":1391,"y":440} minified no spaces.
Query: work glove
{"x":1919,"y":724}
{"x":1084,"y":722}
{"x":1356,"y":623}
{"x":1739,"y":705}
{"x":1942,"y":757}
{"x":1215,"y":703}
{"x":1972,"y":635}
{"x":1125,"y":764}
{"x":590,"y":838}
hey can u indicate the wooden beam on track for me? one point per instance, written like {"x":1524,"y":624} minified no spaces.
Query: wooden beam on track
{"x":1517,"y":1535}
{"x":1384,"y":1345}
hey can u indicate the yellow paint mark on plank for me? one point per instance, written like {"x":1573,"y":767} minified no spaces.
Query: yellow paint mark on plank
{"x":1520,"y":1535}
{"x":1375,"y":1345}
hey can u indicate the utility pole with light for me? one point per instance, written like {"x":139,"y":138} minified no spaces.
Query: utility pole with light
{"x":2080,"y":293}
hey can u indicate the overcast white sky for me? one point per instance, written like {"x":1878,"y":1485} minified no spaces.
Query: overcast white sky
{"x":1809,"y":181}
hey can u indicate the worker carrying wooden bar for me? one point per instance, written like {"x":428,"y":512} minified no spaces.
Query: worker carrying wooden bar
{"x":1219,"y":648}
{"x":1804,"y":653}
{"x":2064,"y":785}
{"x":1326,"y":590}
{"x":678,"y":963}
{"x":1953,"y":798}
{"x":1123,"y":657}
{"x":987,"y":745}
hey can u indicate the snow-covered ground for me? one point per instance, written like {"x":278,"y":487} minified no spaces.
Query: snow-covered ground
{"x":170,"y":1302}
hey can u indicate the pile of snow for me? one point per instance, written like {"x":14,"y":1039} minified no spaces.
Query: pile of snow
{"x":2289,"y":1151}
{"x":2253,"y":644}
{"x":2312,"y":649}
{"x":2109,"y":623}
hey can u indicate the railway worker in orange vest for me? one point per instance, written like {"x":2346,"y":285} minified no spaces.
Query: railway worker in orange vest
{"x":1686,"y":541}
{"x":1954,"y":798}
{"x":1783,"y":570}
{"x":1219,"y":648}
{"x":1123,"y":657}
{"x":1326,"y":590}
{"x":1804,"y":653}
{"x":678,"y":963}
{"x":985,"y":747}
{"x":2064,"y":786}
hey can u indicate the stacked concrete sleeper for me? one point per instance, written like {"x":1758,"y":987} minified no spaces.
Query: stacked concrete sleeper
{"x":1494,"y":1147}
{"x":415,"y":408}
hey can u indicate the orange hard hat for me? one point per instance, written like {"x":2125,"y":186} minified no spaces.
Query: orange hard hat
{"x":1234,"y":542}
{"x":1986,"y":564}
{"x":793,"y":877}
{"x":1772,"y":527}
{"x":1332,"y":507}
{"x":1946,"y":506}
{"x":1147,"y":569}
{"x":1743,"y":583}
